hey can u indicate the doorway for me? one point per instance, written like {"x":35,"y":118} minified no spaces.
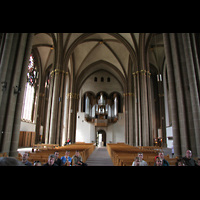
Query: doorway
{"x":101,"y":138}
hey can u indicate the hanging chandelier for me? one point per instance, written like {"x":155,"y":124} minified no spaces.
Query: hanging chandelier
{"x":32,"y":74}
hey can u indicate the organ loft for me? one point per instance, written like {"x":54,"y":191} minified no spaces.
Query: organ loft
{"x":101,"y":111}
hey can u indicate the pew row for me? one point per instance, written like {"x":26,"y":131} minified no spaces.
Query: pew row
{"x":85,"y":150}
{"x":124,"y":155}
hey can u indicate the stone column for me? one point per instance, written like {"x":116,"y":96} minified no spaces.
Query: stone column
{"x":150,"y":102}
{"x":193,"y":88}
{"x":188,"y":107}
{"x":143,"y":92}
{"x":162,"y":112}
{"x":165,"y":97}
{"x":49,"y":108}
{"x":54,"y":108}
{"x":7,"y":80}
{"x":18,"y":109}
{"x":65,"y":106}
{"x":10,"y":119}
{"x":59,"y":109}
{"x":126,"y":119}
{"x":139,"y":109}
{"x":6,"y":56}
{"x":196,"y":60}
{"x":144,"y":109}
{"x":136,"y":143}
{"x":175,"y":45}
{"x":172,"y":95}
{"x":131,"y":133}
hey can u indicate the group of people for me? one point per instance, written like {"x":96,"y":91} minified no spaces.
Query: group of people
{"x":53,"y":160}
{"x":66,"y":160}
{"x":160,"y":160}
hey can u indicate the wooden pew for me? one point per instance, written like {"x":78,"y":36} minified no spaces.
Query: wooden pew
{"x":85,"y":150}
{"x":3,"y":154}
{"x":123,"y":154}
{"x":44,"y":146}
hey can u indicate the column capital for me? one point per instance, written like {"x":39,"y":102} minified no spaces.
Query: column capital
{"x":128,"y":94}
{"x":58,"y":71}
{"x":72,"y":96}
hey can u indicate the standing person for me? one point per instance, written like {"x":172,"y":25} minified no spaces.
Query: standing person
{"x":66,"y":160}
{"x":51,"y":160}
{"x":189,"y":161}
{"x":77,"y":158}
{"x":58,"y":161}
{"x":25,"y":159}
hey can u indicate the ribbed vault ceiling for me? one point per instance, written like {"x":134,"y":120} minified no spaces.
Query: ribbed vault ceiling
{"x":98,"y":47}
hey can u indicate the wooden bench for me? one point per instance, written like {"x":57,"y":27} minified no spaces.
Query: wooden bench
{"x":3,"y":154}
{"x":85,"y":150}
{"x":44,"y":146}
{"x":124,"y":155}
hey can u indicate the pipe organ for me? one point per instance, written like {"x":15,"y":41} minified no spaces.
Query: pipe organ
{"x":101,"y":110}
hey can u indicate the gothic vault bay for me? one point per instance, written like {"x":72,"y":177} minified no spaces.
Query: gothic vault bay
{"x":138,"y":88}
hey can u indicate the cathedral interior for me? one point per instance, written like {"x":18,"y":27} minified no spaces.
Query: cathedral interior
{"x":142,"y":89}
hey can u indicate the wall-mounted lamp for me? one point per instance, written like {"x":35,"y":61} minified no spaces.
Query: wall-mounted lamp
{"x":4,"y":85}
{"x":17,"y":90}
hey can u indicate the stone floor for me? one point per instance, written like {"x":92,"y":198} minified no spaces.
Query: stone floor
{"x":99,"y":157}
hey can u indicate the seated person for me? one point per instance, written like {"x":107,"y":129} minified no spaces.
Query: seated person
{"x":189,"y":161}
{"x":158,"y":162}
{"x":66,"y":160}
{"x":77,"y":158}
{"x":51,"y":160}
{"x":10,"y":161}
{"x":57,"y":160}
{"x":142,"y":162}
{"x":25,"y":159}
{"x":180,"y":162}
{"x":198,"y":162}
{"x":161,"y":156}
{"x":37,"y":163}
{"x":136,"y":162}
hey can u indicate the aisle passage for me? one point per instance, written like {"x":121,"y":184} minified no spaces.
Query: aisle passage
{"x":99,"y":157}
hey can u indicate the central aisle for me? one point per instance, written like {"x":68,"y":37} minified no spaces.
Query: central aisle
{"x":99,"y":157}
